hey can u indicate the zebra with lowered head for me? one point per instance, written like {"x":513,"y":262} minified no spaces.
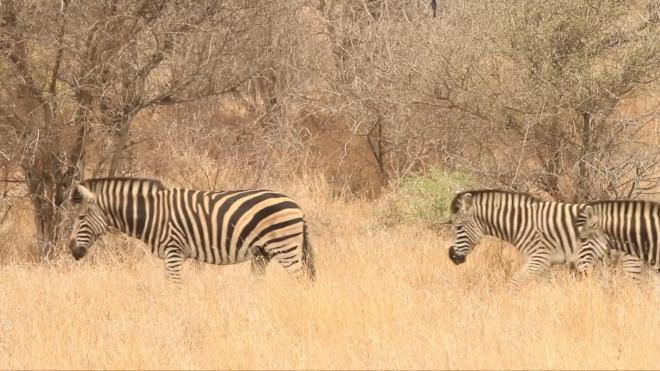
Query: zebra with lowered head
{"x":225,"y":227}
{"x":542,"y":231}
{"x":630,"y":226}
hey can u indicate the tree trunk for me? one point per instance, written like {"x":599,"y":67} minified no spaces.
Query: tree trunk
{"x":47,"y":198}
{"x":582,"y":186}
{"x":552,"y":164}
{"x":120,"y":144}
{"x":376,"y":141}
{"x":49,"y":178}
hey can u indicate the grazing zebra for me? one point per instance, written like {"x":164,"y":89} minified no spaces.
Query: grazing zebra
{"x":630,"y":226}
{"x":542,"y":231}
{"x":214,"y":227}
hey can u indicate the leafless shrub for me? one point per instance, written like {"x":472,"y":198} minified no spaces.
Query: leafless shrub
{"x":73,"y":72}
{"x":552,"y":96}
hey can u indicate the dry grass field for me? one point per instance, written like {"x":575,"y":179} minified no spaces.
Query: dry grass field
{"x":387,"y":297}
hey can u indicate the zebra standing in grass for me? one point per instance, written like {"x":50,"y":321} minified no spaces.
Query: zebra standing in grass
{"x":630,"y":226}
{"x":214,"y":227}
{"x":542,"y":231}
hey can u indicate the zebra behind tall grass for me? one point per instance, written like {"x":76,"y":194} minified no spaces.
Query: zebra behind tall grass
{"x":225,"y":227}
{"x":543,"y":232}
{"x":630,"y":226}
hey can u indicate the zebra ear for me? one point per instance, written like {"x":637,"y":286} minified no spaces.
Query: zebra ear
{"x":85,"y":194}
{"x":467,"y":203}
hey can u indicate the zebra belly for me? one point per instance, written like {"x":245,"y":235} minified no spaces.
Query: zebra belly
{"x":557,"y":254}
{"x":558,"y":257}
{"x":220,"y":262}
{"x":201,"y":255}
{"x":560,"y":251}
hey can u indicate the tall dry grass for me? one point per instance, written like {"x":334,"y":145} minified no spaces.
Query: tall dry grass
{"x":386,"y":298}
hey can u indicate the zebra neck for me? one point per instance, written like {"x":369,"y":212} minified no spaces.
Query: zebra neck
{"x":500,"y":229}
{"x":135,"y":216}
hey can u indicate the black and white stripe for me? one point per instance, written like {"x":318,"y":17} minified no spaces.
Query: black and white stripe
{"x":214,"y":227}
{"x":543,"y":232}
{"x":630,"y":226}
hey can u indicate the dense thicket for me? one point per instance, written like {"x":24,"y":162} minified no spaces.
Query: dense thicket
{"x":556,"y":96}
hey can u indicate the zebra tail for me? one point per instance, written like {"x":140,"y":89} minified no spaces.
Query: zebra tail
{"x":308,"y":255}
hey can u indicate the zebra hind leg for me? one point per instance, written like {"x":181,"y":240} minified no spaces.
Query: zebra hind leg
{"x":632,"y":266}
{"x":293,"y":260}
{"x":260,"y":260}
{"x":308,"y":256}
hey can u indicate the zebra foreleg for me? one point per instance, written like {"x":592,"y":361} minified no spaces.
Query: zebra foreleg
{"x":535,"y":266}
{"x":173,"y":261}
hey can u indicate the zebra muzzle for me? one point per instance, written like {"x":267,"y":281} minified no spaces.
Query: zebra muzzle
{"x":456,"y":258}
{"x":77,"y":252}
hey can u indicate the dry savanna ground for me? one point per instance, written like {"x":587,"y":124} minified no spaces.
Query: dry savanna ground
{"x":387,"y":297}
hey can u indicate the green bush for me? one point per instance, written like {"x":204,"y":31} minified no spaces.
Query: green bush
{"x":423,"y":198}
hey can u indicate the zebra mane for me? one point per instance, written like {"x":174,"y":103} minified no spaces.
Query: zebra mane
{"x":95,"y":183}
{"x":475,"y":192}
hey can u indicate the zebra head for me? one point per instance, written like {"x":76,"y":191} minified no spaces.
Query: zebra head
{"x":467,"y":232}
{"x":90,"y":223}
{"x":593,"y":242}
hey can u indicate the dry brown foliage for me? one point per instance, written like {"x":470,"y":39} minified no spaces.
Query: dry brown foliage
{"x":328,"y":101}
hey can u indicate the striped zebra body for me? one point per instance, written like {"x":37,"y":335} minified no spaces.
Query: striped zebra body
{"x":214,"y":227}
{"x":629,"y":226}
{"x":543,"y":232}
{"x":554,"y":223}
